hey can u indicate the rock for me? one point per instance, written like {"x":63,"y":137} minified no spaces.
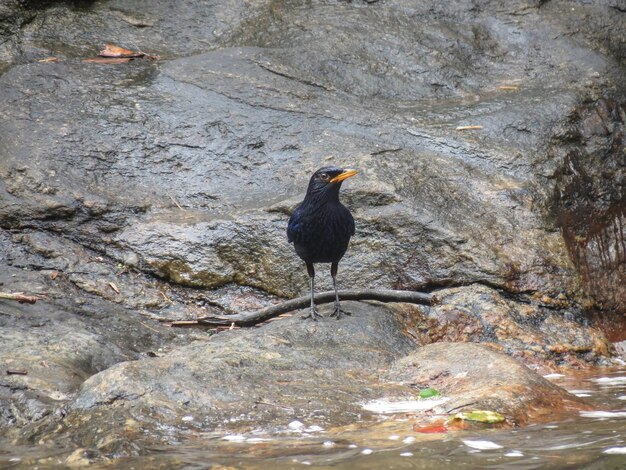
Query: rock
{"x":534,"y":331}
{"x":490,"y":143}
{"x":434,"y":206}
{"x":477,"y":377}
{"x":296,"y":377}
{"x":315,"y":372}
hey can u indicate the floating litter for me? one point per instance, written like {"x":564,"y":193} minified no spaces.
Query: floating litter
{"x":329,"y":444}
{"x":394,"y":437}
{"x":482,"y":445}
{"x":514,"y":453}
{"x":234,"y":438}
{"x":408,"y":440}
{"x":386,"y":406}
{"x":367,"y":451}
{"x":406,"y":454}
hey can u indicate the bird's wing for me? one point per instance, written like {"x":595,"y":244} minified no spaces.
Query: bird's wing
{"x":294,"y":227}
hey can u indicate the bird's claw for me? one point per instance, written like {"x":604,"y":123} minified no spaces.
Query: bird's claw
{"x":313,"y":315}
{"x":338,"y":312}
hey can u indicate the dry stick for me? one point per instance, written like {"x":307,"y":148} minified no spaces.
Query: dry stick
{"x":21,"y":298}
{"x":252,"y":318}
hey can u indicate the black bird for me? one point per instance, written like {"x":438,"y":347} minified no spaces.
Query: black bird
{"x":320,"y":227}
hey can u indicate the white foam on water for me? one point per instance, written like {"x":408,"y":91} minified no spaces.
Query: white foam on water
{"x":482,"y":445}
{"x":615,"y":450}
{"x":603,"y":414}
{"x":553,"y":376}
{"x":610,"y":380}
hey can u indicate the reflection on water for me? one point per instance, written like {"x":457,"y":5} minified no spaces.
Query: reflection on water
{"x":590,"y":440}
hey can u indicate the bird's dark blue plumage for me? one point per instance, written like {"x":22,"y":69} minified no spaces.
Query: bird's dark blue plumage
{"x":320,"y":228}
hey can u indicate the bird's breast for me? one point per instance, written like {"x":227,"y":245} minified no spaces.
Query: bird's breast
{"x":321,"y":235}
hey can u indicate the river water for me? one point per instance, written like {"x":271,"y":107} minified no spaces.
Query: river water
{"x":584,"y":440}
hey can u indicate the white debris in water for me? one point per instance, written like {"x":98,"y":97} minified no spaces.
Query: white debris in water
{"x":385,"y":406}
{"x":329,"y":444}
{"x":352,"y":446}
{"x":610,"y":380}
{"x":514,"y":453}
{"x":603,"y":414}
{"x":622,"y":397}
{"x":406,"y":454}
{"x":615,"y":450}
{"x":256,"y":440}
{"x":306,"y":462}
{"x":187,"y":418}
{"x":234,"y":438}
{"x":314,"y":428}
{"x":553,"y":376}
{"x":296,"y":425}
{"x":482,"y":445}
{"x":551,"y":426}
{"x":582,"y":395}
{"x":408,"y":440}
{"x":394,"y":437}
{"x":367,"y":451}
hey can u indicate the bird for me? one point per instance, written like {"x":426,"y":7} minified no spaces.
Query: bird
{"x":320,"y":228}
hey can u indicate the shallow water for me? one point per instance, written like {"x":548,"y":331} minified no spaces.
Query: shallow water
{"x":586,"y":440}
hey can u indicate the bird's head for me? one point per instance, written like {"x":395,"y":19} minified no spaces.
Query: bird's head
{"x":328,"y":179}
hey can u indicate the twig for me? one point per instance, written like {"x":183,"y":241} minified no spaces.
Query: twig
{"x":21,"y":298}
{"x":176,"y":202}
{"x":252,"y":318}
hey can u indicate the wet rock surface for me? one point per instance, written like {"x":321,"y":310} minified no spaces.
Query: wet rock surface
{"x":478,"y":377}
{"x":294,"y":376}
{"x":160,"y":189}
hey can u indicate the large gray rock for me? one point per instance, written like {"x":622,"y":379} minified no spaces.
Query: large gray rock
{"x":229,"y":133}
{"x":325,"y":375}
{"x":140,"y":183}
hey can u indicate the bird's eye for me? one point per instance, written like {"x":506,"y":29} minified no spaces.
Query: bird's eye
{"x":324,"y":176}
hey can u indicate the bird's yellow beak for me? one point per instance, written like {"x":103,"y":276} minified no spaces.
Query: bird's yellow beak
{"x":347,"y":173}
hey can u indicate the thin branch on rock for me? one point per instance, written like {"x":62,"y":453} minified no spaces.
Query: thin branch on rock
{"x":252,"y":318}
{"x":21,"y":298}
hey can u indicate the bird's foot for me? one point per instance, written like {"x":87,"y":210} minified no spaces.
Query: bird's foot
{"x":313,"y":315}
{"x":338,"y":312}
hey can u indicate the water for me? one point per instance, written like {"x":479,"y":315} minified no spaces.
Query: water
{"x":588,"y":440}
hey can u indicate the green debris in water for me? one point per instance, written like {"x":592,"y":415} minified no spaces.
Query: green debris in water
{"x":482,"y":416}
{"x":429,"y":393}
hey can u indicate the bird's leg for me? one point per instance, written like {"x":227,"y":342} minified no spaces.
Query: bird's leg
{"x":313,"y":315}
{"x":338,"y":311}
